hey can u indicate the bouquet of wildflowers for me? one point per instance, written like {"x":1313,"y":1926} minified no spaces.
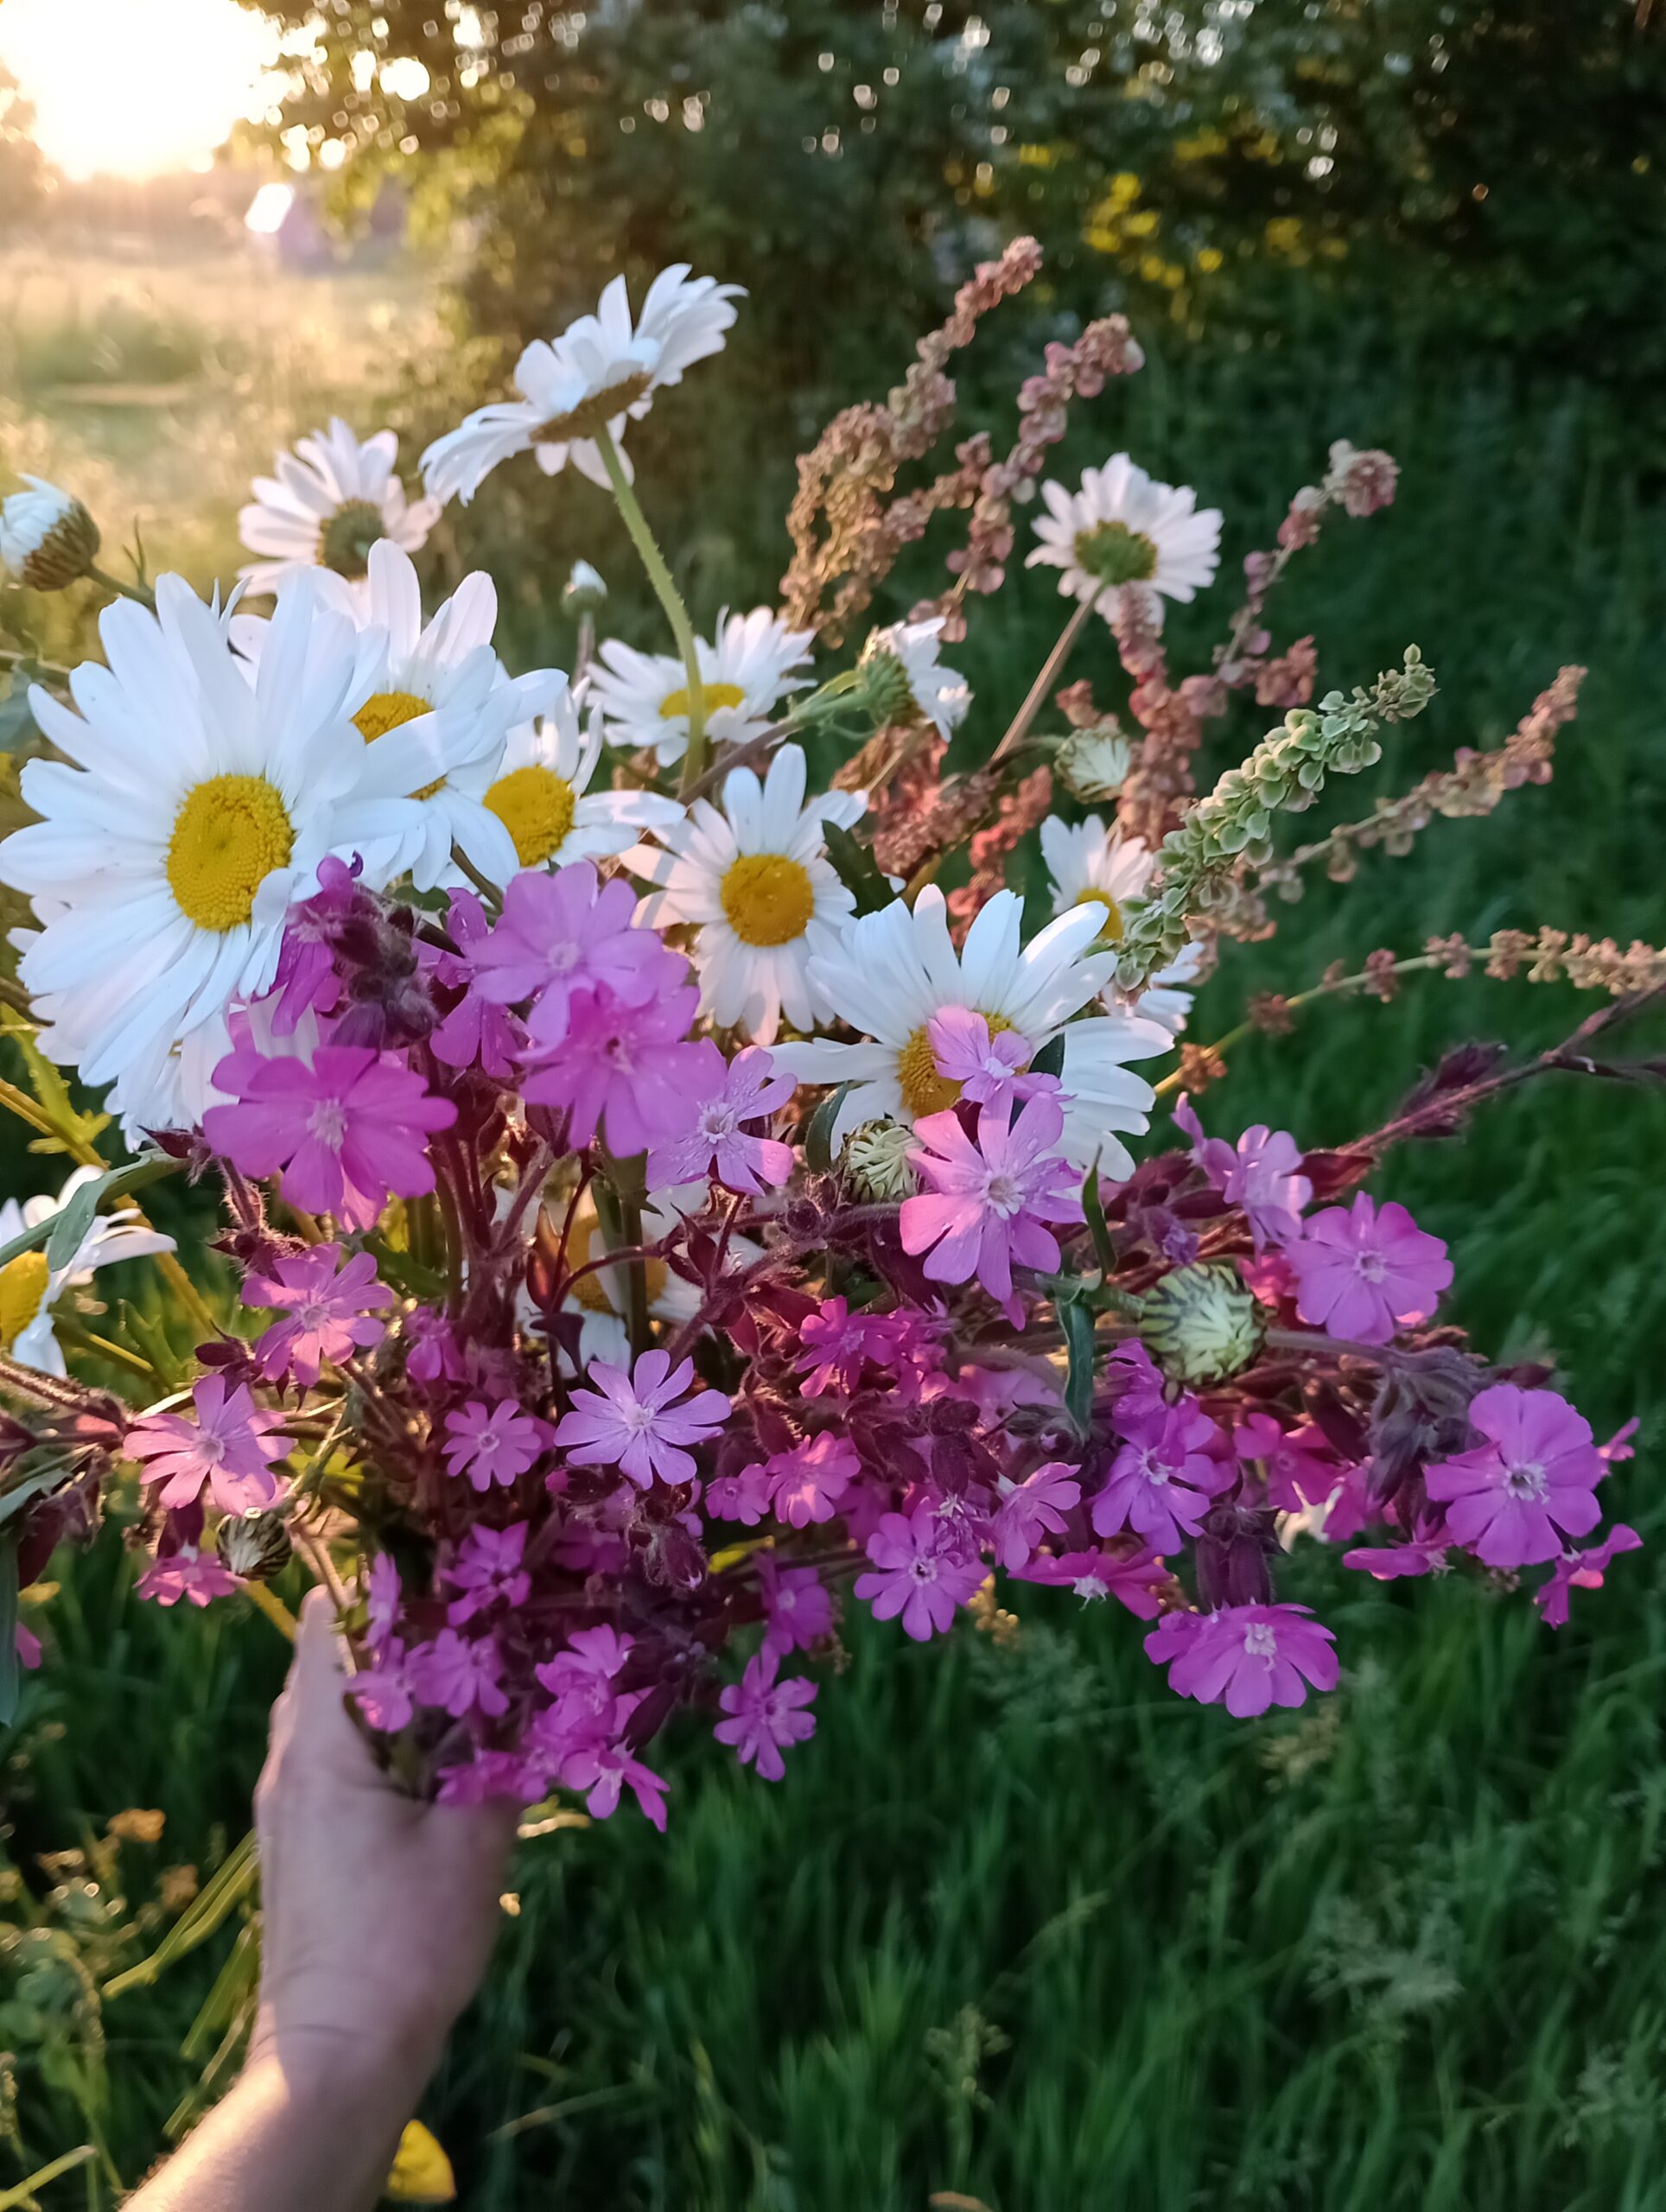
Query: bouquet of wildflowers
{"x":675,"y":1205}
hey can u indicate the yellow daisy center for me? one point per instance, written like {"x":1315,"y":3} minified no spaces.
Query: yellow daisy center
{"x":924,"y":1090}
{"x":22,"y":1287}
{"x":230,"y":834}
{"x":714,"y":696}
{"x":1111,"y":933}
{"x":387,"y":710}
{"x":768,"y":898}
{"x":535,"y":805}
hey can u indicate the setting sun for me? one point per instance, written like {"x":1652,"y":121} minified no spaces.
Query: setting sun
{"x":135,"y":87}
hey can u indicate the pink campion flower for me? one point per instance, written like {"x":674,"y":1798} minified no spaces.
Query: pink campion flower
{"x":1161,"y":1480}
{"x":487,"y":1572}
{"x":1363,"y":1270}
{"x":1136,"y":1384}
{"x":1031,"y":1509}
{"x":798,"y":1605}
{"x":1262,"y":1173}
{"x":1138,"y":1580}
{"x":627,"y":1069}
{"x":477,"y":1030}
{"x":923,"y":1571}
{"x":602,"y":1771}
{"x":27,"y":1645}
{"x":493,"y":1777}
{"x":766,"y":1716}
{"x":433,"y":1353}
{"x":989,"y":1069}
{"x":382,"y":1692}
{"x":460,"y":1674}
{"x":1532,"y":1480}
{"x":988,"y":1200}
{"x":1299,"y":1466}
{"x":730,"y":1095}
{"x":325,"y":1315}
{"x":382,"y":1596}
{"x":1585,"y":1570}
{"x":1620,"y":1444}
{"x":566,"y":933}
{"x":1421,"y":1554}
{"x":634,"y":1422}
{"x":493,"y":1444}
{"x":230,"y":1445}
{"x":836,"y":1342}
{"x":345,"y":1131}
{"x":306,"y":979}
{"x":742,"y":1496}
{"x":807,"y":1483}
{"x":581,"y":1678}
{"x":197,"y":1576}
{"x":1245,"y":1656}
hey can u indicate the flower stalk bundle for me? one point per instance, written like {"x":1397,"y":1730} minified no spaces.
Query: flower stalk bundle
{"x":666,"y":1218}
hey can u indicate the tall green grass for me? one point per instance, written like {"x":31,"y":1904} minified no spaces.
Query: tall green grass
{"x":1019,"y":1925}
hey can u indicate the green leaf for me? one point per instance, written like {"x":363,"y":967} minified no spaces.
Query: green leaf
{"x":1076,"y":1321}
{"x":1095,"y":1213}
{"x":856,"y":869}
{"x":197,"y":1923}
{"x":37,"y":1485}
{"x":9,"y":1666}
{"x":69,"y":1225}
{"x":16,"y":720}
{"x":818,"y":1137}
{"x":1050,"y":1060}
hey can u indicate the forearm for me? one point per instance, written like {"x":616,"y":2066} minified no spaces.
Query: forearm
{"x":316,"y":2127}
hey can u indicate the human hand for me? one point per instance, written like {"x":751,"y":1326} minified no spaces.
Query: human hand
{"x":378,"y":1911}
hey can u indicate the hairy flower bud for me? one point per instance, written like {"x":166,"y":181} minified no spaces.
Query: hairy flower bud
{"x":585,"y":591}
{"x":1095,"y":762}
{"x":874,"y":1162}
{"x":48,"y":539}
{"x":257,"y":1548}
{"x":1201,"y":1323}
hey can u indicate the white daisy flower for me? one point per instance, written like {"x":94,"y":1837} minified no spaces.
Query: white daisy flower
{"x":600,"y":1297}
{"x":915,"y":685}
{"x":1166,"y":999}
{"x":1089,"y":864}
{"x":543,"y":798}
{"x":193,"y":806}
{"x":1121,"y":530}
{"x":744,"y":671}
{"x":753,"y":876}
{"x":602,"y":369}
{"x":29,"y":1287}
{"x":887,"y":974}
{"x":329,"y":503}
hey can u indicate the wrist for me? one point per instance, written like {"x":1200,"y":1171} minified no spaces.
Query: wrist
{"x":371,"y":2073}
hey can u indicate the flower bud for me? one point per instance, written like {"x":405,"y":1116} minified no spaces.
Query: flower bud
{"x":1095,"y":762}
{"x":1200,"y":1324}
{"x":874,"y":1162}
{"x":585,"y":594}
{"x":255,"y":1548}
{"x":48,"y":539}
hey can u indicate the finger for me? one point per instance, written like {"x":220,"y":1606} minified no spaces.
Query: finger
{"x":321,"y":1726}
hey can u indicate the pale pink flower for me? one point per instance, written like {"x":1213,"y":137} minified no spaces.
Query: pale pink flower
{"x":730,"y":1096}
{"x":1262,"y":1173}
{"x":807,"y":1483}
{"x":1364,"y":1270}
{"x":988,"y":1200}
{"x":1245,"y":1656}
{"x":766,"y":1716}
{"x":1532,"y":1480}
{"x":189,"y":1574}
{"x":923,"y":1571}
{"x":1585,"y":1570}
{"x":1031,"y":1509}
{"x":990,"y":1069}
{"x":624,"y":1069}
{"x":326,"y":1316}
{"x":492,"y":1444}
{"x":634,"y":1422}
{"x":230,"y":1445}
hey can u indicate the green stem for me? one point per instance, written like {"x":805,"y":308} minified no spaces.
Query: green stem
{"x":694,"y":760}
{"x":619,"y":1216}
{"x":139,"y":591}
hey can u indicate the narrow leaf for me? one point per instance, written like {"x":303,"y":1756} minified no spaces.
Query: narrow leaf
{"x":1050,"y":1060}
{"x":1095,"y":1211}
{"x":69,"y":1225}
{"x":1076,"y":1322}
{"x":856,"y":869}
{"x":818,"y":1137}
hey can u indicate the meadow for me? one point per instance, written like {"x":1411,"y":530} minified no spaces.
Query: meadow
{"x":1019,"y":1930}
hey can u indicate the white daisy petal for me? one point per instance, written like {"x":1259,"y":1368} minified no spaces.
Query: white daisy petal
{"x":1120,"y":531}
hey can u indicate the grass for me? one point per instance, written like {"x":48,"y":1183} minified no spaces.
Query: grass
{"x":1018,"y":1927}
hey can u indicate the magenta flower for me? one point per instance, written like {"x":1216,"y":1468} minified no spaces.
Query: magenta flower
{"x":807,"y":1483}
{"x":566,"y":933}
{"x":460,"y":1674}
{"x":345,"y":1131}
{"x":1031,"y":1509}
{"x":624,"y":1069}
{"x":798,"y":1605}
{"x":383,"y":1598}
{"x":581,"y":1678}
{"x":1585,"y":1570}
{"x":325,"y":1316}
{"x":742,"y":1496}
{"x":602,"y":1771}
{"x":923,"y":1572}
{"x":382,"y":1692}
{"x":27,"y":1645}
{"x":1245,"y":1656}
{"x":766,"y":1716}
{"x":730,"y":1096}
{"x":1137,"y":1580}
{"x":189,"y":1574}
{"x":1363,"y":1271}
{"x":492,"y":1444}
{"x":634,"y":1422}
{"x":988,"y":1200}
{"x":1535,"y":1475}
{"x":491,"y":1777}
{"x":1298,"y":1464}
{"x":230,"y":1445}
{"x":1262,"y":1173}
{"x":477,"y":1030}
{"x":989,"y":1069}
{"x":837,"y":1342}
{"x":487,"y":1572}
{"x":1400,"y":1563}
{"x":1161,"y":1480}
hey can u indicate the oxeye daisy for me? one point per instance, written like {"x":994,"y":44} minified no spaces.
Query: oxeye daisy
{"x":1121,"y":530}
{"x":744,"y":671}
{"x":602,"y":369}
{"x":1088,"y":864}
{"x":542,"y":794}
{"x":753,"y":876}
{"x":30,"y":1285}
{"x":193,"y":808}
{"x":330,"y":501}
{"x":889,"y":973}
{"x":908,"y":682}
